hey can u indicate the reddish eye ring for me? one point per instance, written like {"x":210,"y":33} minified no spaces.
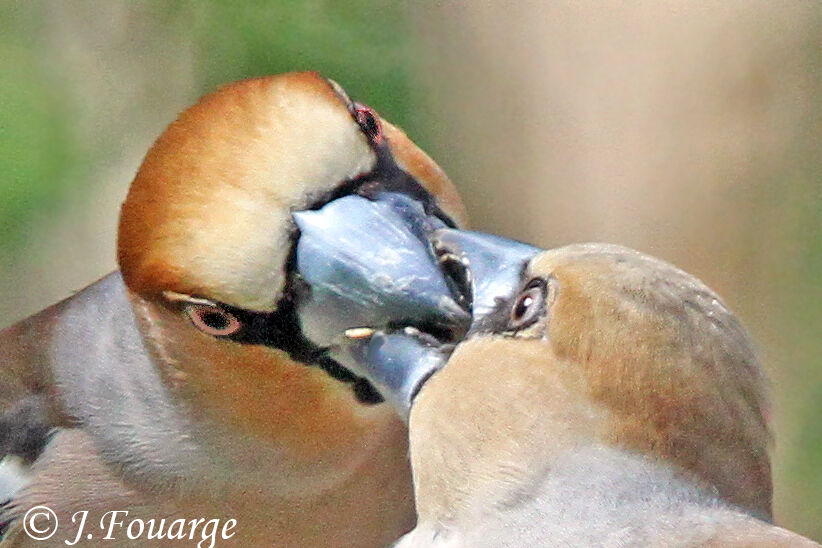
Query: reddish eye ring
{"x":213,"y":320}
{"x":369,"y":122}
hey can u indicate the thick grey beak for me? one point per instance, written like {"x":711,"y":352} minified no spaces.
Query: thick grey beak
{"x":391,"y":287}
{"x":385,"y":277}
{"x":369,"y":264}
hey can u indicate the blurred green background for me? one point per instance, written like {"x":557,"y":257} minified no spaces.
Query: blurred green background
{"x":692,"y":131}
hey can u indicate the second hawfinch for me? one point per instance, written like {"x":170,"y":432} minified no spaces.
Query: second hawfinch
{"x":601,"y":398}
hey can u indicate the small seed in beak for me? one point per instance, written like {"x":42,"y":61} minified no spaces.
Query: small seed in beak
{"x":359,"y":332}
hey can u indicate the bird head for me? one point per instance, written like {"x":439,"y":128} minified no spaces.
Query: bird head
{"x":208,"y":249}
{"x":580,"y":346}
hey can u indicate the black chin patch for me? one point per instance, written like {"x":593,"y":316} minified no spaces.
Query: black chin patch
{"x":281,"y":329}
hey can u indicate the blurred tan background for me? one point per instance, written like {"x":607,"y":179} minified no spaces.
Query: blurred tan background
{"x":689,"y":130}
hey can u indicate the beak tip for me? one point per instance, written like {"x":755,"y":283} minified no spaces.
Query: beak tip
{"x":398,"y":364}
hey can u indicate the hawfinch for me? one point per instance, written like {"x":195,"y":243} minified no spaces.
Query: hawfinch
{"x":600,"y":398}
{"x":207,"y":377}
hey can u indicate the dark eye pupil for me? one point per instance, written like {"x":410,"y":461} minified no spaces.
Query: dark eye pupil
{"x":214,"y":320}
{"x":522,"y":306}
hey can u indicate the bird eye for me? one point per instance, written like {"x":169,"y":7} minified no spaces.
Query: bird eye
{"x":528,"y":306}
{"x":213,"y":320}
{"x":369,"y":122}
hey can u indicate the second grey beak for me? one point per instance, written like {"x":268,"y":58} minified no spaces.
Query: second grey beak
{"x":493,"y":265}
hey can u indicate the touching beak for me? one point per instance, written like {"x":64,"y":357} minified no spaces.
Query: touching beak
{"x":369,"y":264}
{"x":392,"y":287}
{"x":493,"y":265}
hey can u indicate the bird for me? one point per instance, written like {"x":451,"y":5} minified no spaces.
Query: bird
{"x":601,"y":397}
{"x":197,"y":381}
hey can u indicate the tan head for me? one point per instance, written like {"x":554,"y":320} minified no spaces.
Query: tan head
{"x":599,"y":345}
{"x":206,"y":235}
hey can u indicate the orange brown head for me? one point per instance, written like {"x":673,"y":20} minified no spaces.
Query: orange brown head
{"x":207,"y":251}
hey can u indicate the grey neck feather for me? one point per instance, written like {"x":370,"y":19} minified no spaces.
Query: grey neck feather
{"x":107,"y":380}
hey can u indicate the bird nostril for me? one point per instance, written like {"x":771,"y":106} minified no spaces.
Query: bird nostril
{"x":368,"y":121}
